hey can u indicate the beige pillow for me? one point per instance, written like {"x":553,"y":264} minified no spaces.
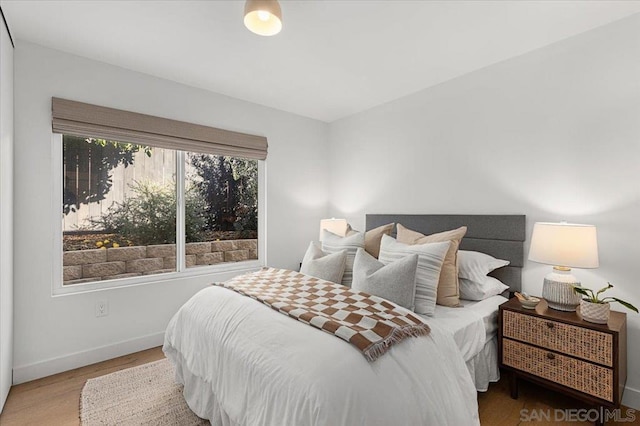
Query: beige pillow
{"x":373,"y":238}
{"x":448,"y":287}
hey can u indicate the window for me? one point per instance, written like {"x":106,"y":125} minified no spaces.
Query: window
{"x":221,"y":209}
{"x":146,"y":198}
{"x":122,"y":219}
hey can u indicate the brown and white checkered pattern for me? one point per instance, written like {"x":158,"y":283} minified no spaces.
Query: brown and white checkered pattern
{"x":370,"y":323}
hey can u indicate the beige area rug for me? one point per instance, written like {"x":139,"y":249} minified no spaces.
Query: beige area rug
{"x":143,"y":395}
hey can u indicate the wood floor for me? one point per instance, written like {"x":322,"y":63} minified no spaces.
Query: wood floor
{"x":55,"y":400}
{"x":497,"y":408}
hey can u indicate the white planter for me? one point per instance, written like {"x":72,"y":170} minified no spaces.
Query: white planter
{"x":595,"y":312}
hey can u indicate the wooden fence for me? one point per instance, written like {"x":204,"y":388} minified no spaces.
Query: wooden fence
{"x":160,"y":168}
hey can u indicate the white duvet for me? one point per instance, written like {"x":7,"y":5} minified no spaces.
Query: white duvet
{"x":465,"y":325}
{"x":243,"y":363}
{"x":471,"y":325}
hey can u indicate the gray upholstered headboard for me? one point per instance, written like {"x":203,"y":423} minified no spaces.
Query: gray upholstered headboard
{"x":501,"y":236}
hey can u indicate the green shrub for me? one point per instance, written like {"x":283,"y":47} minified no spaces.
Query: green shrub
{"x":149,"y":217}
{"x":229,"y":187}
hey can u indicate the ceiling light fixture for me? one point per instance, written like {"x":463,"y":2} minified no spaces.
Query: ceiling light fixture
{"x":263,"y":17}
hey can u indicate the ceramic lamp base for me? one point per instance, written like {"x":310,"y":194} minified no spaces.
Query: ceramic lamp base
{"x":558,"y":290}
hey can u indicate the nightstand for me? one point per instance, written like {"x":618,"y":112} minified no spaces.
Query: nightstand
{"x":563,"y":352}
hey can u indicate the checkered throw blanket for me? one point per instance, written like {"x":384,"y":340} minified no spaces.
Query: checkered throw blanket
{"x":370,"y":323}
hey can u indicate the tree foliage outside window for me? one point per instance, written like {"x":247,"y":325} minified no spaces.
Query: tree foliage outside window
{"x":229,"y":185}
{"x":221,"y":194}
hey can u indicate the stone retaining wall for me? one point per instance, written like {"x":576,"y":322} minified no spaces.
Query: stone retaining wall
{"x":82,"y":266}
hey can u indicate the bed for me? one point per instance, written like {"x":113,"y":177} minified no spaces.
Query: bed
{"x":242,"y":363}
{"x":475,"y":325}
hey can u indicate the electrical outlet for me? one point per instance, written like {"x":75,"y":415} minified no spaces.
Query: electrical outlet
{"x":102,"y":308}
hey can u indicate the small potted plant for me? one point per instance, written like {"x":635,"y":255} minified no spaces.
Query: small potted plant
{"x":595,"y":309}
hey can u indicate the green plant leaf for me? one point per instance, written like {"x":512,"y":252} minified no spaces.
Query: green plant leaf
{"x":594,"y":297}
{"x":585,"y":292}
{"x":603,"y":289}
{"x":625,"y":304}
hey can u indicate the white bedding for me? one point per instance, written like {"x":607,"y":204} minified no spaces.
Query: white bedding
{"x":488,"y":310}
{"x":244,"y":364}
{"x":472,"y":324}
{"x":483,"y":367}
{"x":473,"y":327}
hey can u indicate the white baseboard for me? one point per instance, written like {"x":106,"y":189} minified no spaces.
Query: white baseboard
{"x":51,"y":366}
{"x":631,"y":398}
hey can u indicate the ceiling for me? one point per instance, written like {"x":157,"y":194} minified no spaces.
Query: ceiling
{"x":332,"y":59}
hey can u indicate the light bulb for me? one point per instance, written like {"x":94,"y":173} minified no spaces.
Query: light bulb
{"x":263,"y":17}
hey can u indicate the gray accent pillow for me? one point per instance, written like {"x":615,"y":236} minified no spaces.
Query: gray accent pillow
{"x":332,"y":243}
{"x":395,"y":282}
{"x":326,"y":266}
{"x":430,"y":259}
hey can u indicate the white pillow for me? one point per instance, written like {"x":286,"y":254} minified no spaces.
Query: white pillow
{"x":474,"y":266}
{"x":480,"y":290}
{"x":332,"y":243}
{"x":326,"y":266}
{"x":395,"y":282}
{"x":430,"y":258}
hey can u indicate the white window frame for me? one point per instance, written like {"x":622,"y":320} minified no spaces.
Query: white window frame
{"x":58,"y":287}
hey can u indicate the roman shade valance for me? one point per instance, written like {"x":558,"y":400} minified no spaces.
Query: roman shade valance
{"x":86,"y":120}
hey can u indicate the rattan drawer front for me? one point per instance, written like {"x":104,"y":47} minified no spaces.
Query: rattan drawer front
{"x":583,"y":376}
{"x":582,"y":342}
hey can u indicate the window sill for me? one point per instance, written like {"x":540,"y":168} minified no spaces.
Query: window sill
{"x":214,"y":271}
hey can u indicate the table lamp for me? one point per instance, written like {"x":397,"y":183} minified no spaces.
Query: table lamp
{"x":336,"y":226}
{"x":565,"y":246}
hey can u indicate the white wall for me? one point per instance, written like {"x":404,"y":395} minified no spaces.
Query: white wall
{"x":6,"y":213}
{"x":553,"y":134}
{"x":57,"y":333}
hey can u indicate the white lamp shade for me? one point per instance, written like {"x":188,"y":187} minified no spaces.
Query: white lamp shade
{"x":336,"y":226}
{"x":263,"y":17}
{"x":564,"y":244}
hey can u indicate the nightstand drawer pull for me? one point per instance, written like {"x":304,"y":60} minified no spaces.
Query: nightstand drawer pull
{"x":550,"y":356}
{"x":582,"y":342}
